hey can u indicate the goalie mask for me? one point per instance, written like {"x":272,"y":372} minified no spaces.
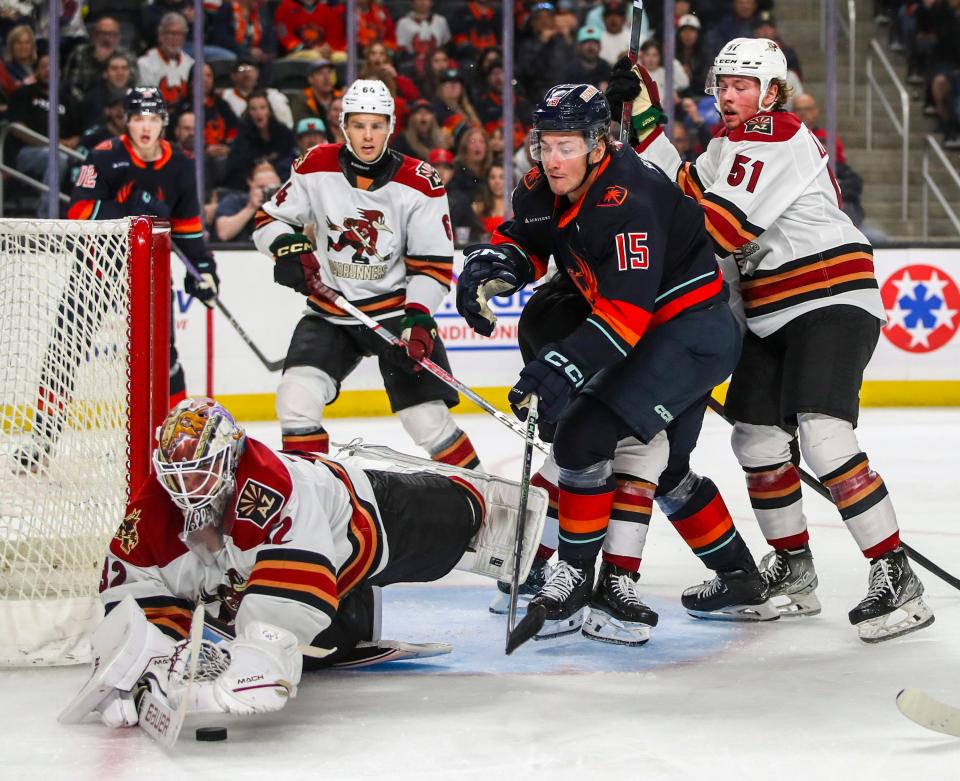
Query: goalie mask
{"x":367,"y":96}
{"x":196,"y":459}
{"x":756,"y":58}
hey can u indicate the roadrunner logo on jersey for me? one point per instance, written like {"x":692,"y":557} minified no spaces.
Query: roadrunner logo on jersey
{"x":258,"y":503}
{"x":127,"y":534}
{"x":360,"y":235}
{"x":762,"y":124}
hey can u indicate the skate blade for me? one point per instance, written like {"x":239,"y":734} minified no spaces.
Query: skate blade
{"x":910,"y":617}
{"x":563,"y":626}
{"x":765,"y":611}
{"x":796,"y":605}
{"x":500,"y":605}
{"x":604,"y":628}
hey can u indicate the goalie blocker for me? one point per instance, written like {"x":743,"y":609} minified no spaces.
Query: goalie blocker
{"x":288,"y":552}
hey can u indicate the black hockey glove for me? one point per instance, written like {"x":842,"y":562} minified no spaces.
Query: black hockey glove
{"x":144,"y":203}
{"x":419,"y":330}
{"x":294,"y":262}
{"x":206,"y":288}
{"x":553,"y":377}
{"x":489,"y":270}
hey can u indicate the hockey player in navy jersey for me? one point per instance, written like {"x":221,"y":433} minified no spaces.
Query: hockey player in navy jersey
{"x":386,"y":244}
{"x":654,"y":336}
{"x":813,"y":309}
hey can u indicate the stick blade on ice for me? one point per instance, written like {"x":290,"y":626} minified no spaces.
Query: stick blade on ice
{"x":920,"y":707}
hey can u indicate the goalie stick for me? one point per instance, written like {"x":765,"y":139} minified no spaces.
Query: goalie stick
{"x":330,"y":295}
{"x":635,"y":22}
{"x":921,"y":708}
{"x":514,"y":641}
{"x":809,"y":480}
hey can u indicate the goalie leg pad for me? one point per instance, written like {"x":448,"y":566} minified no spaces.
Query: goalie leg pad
{"x":126,"y":646}
{"x":265,"y":668}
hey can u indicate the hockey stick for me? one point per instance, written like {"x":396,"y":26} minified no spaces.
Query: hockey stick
{"x":330,"y":295}
{"x":809,"y":480}
{"x":920,"y":707}
{"x":156,"y":717}
{"x":632,"y":52}
{"x":512,"y":641}
{"x":270,"y":366}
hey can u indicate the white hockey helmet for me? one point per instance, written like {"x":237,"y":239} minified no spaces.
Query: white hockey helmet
{"x":199,"y":447}
{"x":367,"y":96}
{"x":758,"y":58}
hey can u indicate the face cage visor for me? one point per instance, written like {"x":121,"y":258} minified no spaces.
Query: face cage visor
{"x":712,"y":88}
{"x":566,"y":148}
{"x":192,"y":485}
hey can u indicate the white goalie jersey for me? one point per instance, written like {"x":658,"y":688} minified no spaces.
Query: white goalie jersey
{"x":382,"y":243}
{"x":771,"y":203}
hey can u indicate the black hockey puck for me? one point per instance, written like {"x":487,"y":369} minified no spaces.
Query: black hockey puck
{"x":211,"y":734}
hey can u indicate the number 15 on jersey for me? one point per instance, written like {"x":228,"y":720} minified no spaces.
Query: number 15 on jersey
{"x":632,"y":252}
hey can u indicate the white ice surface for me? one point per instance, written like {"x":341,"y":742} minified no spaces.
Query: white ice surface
{"x":802,"y":699}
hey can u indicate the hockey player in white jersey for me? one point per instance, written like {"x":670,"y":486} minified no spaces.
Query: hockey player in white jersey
{"x":385,"y":242}
{"x":813,"y":312}
{"x":287,"y":553}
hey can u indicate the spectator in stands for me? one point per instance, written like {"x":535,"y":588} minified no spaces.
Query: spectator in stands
{"x":167,"y":66}
{"x":737,"y":23}
{"x":334,"y":131}
{"x":471,"y":162}
{"x":588,"y":66}
{"x":421,"y":32}
{"x":422,"y":133}
{"x":151,"y":14}
{"x":545,"y":51}
{"x":233,"y":219}
{"x":378,"y":64}
{"x":945,"y":71}
{"x":184,"y":131}
{"x":488,"y":205}
{"x":112,"y":123}
{"x":451,"y":105}
{"x":311,"y":131}
{"x":651,"y":55}
{"x":374,"y":24}
{"x":245,"y":75}
{"x":442,"y":161}
{"x":29,"y":106}
{"x":428,"y":81}
{"x":316,"y":97}
{"x":690,"y":52}
{"x":682,"y":143}
{"x":310,"y":29}
{"x":806,"y":108}
{"x":615,"y":37}
{"x":117,"y":76}
{"x":260,"y":136}
{"x":476,"y":28}
{"x":86,"y":64}
{"x":698,"y":130}
{"x":765,"y":26}
{"x":21,"y":54}
{"x":220,"y":121}
{"x":489,"y":104}
{"x":244,"y":27}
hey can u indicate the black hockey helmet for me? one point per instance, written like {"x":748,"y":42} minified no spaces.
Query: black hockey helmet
{"x":569,"y":108}
{"x":145,"y":100}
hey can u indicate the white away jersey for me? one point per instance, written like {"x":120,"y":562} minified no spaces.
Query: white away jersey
{"x":771,"y":202}
{"x":303,"y":531}
{"x":382,"y":243}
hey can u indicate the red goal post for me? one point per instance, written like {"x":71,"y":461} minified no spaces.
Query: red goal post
{"x":84,"y":373}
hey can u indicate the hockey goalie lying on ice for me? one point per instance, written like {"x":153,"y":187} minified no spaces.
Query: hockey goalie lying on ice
{"x":287,"y":552}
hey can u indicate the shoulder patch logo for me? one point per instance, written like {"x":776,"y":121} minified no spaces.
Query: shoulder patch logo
{"x":531,"y":177}
{"x":428,"y":172}
{"x":104,"y":144}
{"x":762,"y":123}
{"x":614,"y":196}
{"x":258,"y":503}
{"x":127,"y":534}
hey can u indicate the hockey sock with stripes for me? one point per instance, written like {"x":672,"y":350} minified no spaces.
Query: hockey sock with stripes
{"x":864,"y":504}
{"x":551,"y":526}
{"x":776,"y":500}
{"x":315,"y":441}
{"x":584,"y":516}
{"x":458,"y":451}
{"x":629,"y":522}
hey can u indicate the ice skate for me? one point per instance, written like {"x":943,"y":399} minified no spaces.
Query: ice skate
{"x":791,"y":581}
{"x":563,"y":599}
{"x":539,"y":572}
{"x":894,"y":602}
{"x":617,"y":614}
{"x":735,"y":595}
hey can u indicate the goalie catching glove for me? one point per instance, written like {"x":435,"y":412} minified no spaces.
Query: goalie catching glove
{"x":489,"y":270}
{"x":633,"y":84}
{"x":419,"y":330}
{"x":295,"y":265}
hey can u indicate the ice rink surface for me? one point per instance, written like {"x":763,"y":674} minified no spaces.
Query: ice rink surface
{"x":802,"y":699}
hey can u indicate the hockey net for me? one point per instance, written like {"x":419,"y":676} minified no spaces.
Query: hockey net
{"x":84,"y":325}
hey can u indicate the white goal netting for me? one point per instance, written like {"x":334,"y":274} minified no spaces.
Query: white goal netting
{"x":64,"y":442}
